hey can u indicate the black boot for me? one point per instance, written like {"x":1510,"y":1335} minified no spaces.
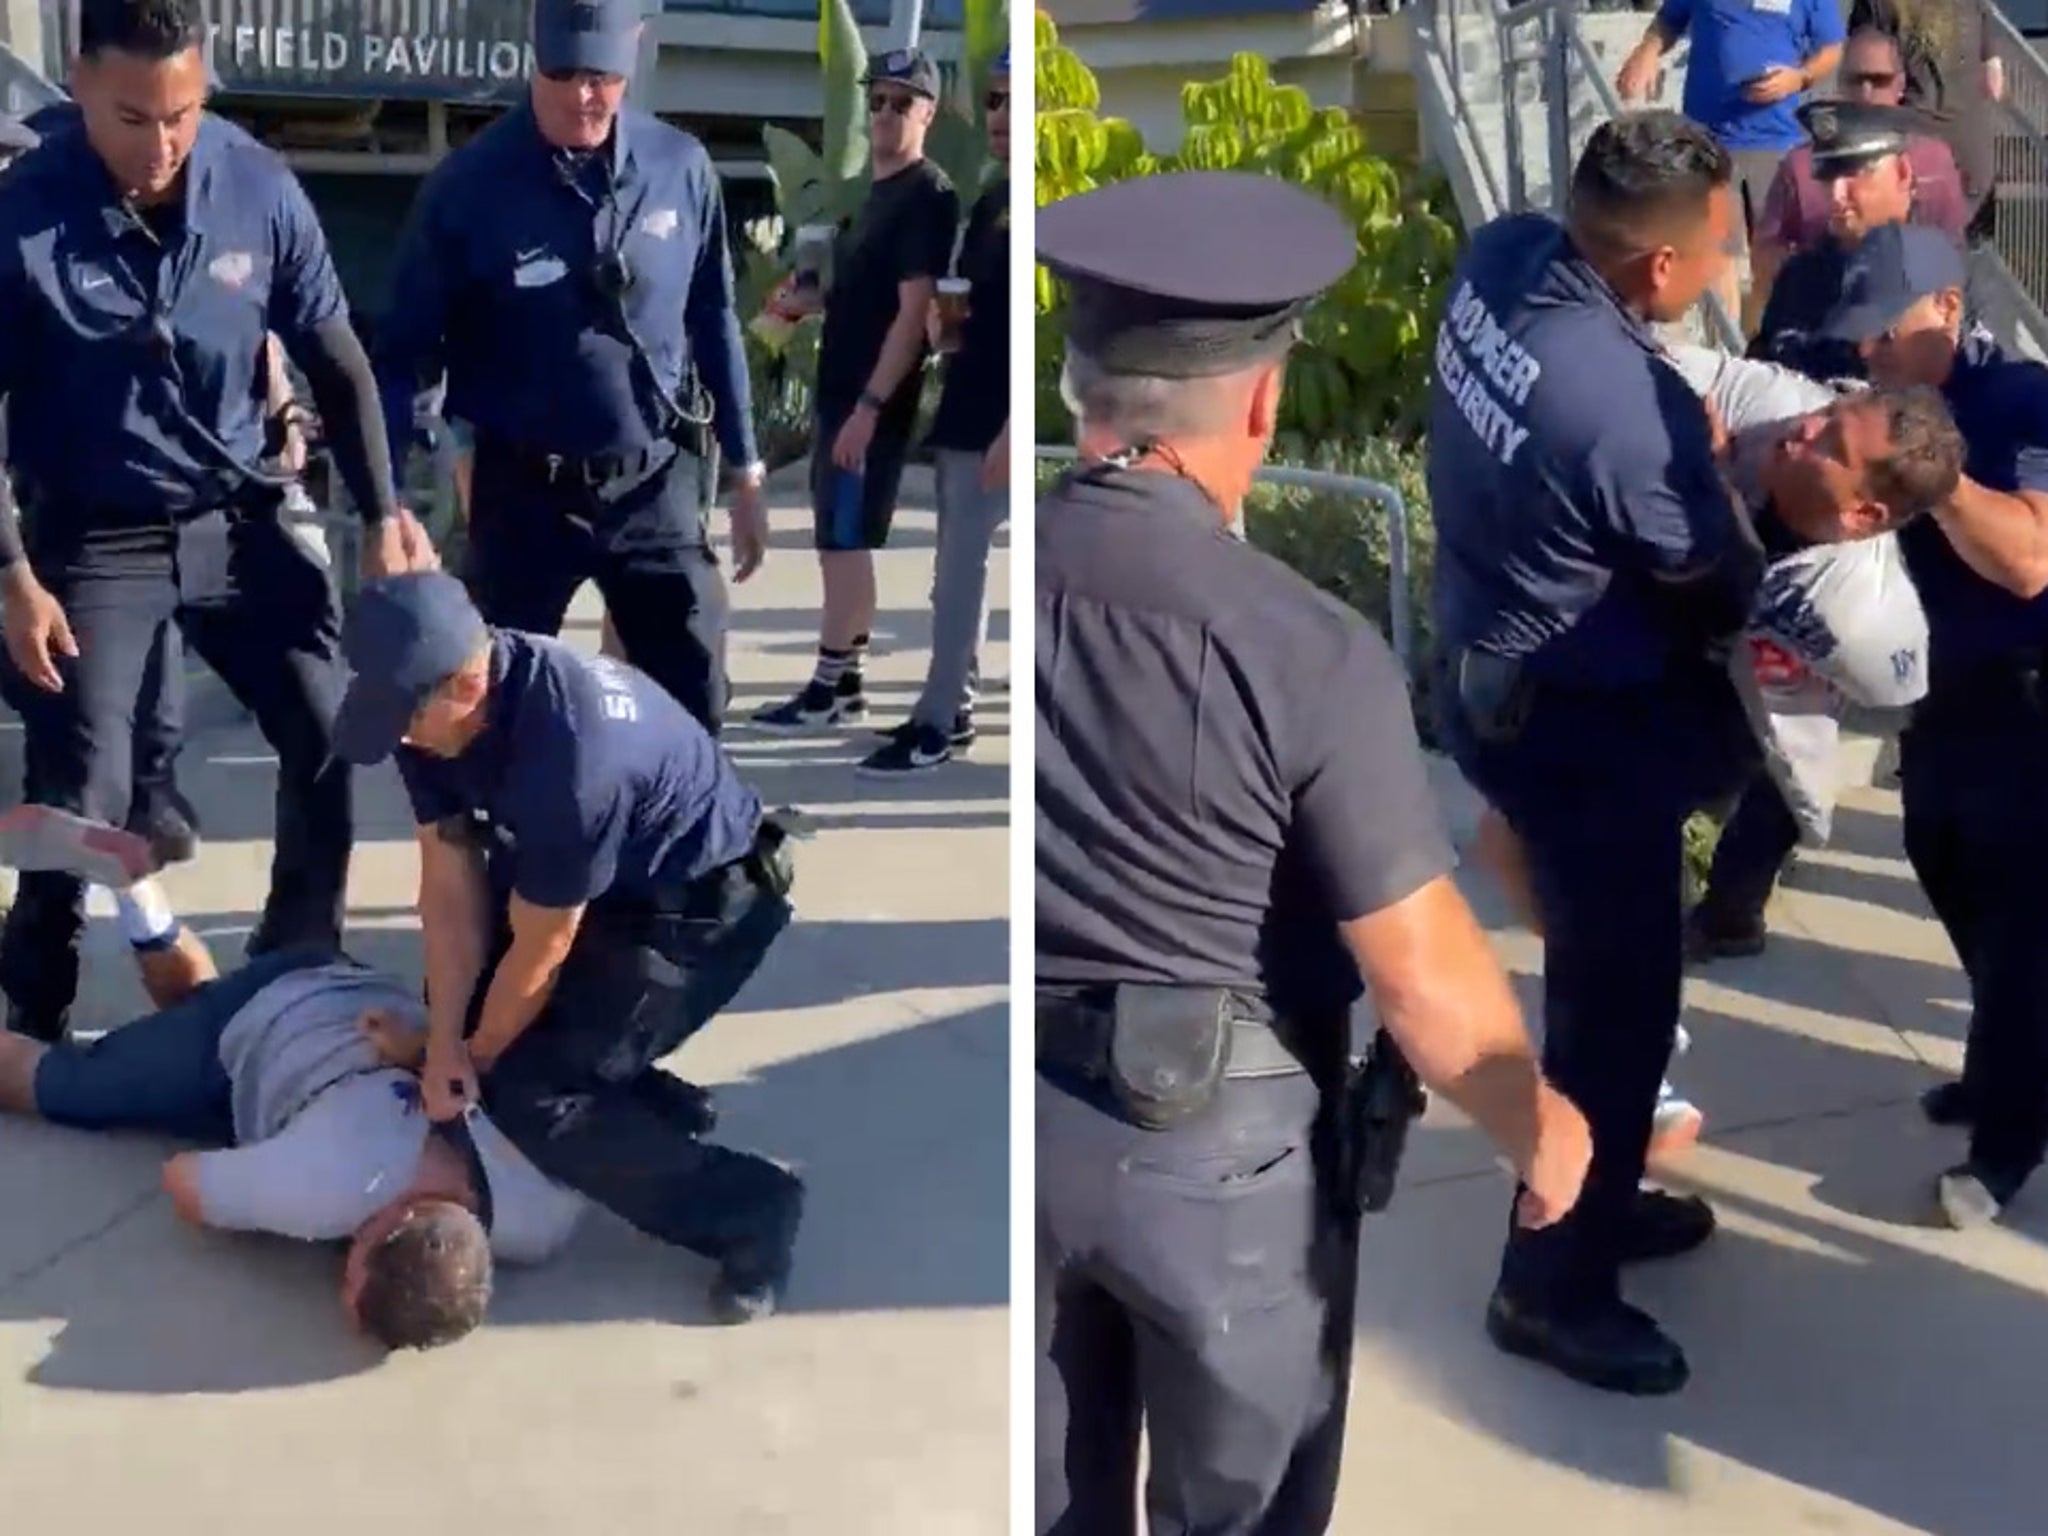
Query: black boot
{"x":753,"y":1276}
{"x":1948,"y":1104}
{"x":1661,"y":1225}
{"x":1612,"y":1346}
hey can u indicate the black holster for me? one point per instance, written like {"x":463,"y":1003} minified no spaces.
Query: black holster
{"x":1493,"y":694}
{"x":1382,"y":1099}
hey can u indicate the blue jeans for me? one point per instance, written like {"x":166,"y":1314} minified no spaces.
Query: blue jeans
{"x":162,"y":1072}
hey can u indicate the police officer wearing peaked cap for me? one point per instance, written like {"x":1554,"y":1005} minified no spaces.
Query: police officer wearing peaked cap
{"x":1591,"y":570}
{"x":144,"y":255}
{"x":1975,"y":756}
{"x":568,"y":270}
{"x":1852,"y":140}
{"x":1234,"y":821}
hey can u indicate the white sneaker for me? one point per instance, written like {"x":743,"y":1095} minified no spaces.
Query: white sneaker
{"x":1675,"y":1127}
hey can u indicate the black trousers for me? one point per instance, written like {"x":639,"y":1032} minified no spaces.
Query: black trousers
{"x":1196,"y":1284}
{"x":579,"y":1092}
{"x":533,"y":542}
{"x":1971,"y":775}
{"x":1598,"y":785}
{"x":262,"y":613}
{"x":1754,"y":845}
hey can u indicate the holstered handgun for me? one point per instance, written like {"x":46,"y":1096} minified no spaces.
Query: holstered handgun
{"x":1384,"y":1098}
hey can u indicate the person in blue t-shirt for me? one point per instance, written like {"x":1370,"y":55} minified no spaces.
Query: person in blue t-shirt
{"x":1973,"y":761}
{"x":595,"y":884}
{"x":1590,"y":562}
{"x":1752,"y":63}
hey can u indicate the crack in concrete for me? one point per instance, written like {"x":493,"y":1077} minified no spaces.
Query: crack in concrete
{"x":22,"y":1277}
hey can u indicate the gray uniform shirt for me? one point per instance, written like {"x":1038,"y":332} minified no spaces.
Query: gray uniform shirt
{"x":326,"y":1135}
{"x":1834,"y":624}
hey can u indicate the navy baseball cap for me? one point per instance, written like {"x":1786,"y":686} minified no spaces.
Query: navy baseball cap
{"x":599,"y":37}
{"x":405,"y":637}
{"x":1892,"y":269}
{"x":1002,"y":63}
{"x":906,"y":67}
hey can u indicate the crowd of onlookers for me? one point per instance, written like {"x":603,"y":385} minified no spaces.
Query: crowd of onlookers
{"x":1756,"y":72}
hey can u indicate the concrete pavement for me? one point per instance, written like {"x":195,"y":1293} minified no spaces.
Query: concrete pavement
{"x":1857,"y":1368}
{"x":195,"y":1384}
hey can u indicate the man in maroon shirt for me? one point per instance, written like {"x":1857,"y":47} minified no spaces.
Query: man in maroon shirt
{"x":1798,"y":206}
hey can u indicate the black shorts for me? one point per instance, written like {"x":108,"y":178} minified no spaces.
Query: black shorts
{"x":854,"y":511}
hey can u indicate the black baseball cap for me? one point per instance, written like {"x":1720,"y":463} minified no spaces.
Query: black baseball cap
{"x":599,"y":37}
{"x":405,"y":637}
{"x":906,"y":67}
{"x":1893,"y":268}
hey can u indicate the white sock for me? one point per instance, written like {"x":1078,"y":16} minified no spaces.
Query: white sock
{"x":146,"y":917}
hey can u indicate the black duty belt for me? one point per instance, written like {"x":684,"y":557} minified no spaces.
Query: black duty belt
{"x":1994,"y":689}
{"x":1074,"y":1035}
{"x":589,"y":472}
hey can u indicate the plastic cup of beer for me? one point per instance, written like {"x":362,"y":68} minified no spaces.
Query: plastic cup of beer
{"x":813,"y":252}
{"x":952,"y":306}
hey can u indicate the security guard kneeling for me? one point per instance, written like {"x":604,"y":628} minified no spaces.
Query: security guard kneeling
{"x":1591,"y":570}
{"x":144,"y":254}
{"x":1234,"y":821}
{"x":1974,"y":761}
{"x":595,"y":885}
{"x":568,"y":268}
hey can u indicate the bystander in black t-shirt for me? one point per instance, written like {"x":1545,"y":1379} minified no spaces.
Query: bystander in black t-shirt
{"x":976,"y":399}
{"x":903,"y":231}
{"x":1227,"y":759}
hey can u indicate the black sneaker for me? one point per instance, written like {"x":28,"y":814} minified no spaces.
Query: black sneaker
{"x":1661,"y":1225}
{"x":959,"y":738}
{"x":48,"y":1028}
{"x":171,"y":836}
{"x":817,"y":708}
{"x":753,"y":1278}
{"x":918,"y":751}
{"x":1705,"y":941}
{"x":1973,"y":1195}
{"x":1948,"y":1104}
{"x":1612,"y":1347}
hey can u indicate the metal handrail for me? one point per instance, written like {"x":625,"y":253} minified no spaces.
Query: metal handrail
{"x":1400,"y":622}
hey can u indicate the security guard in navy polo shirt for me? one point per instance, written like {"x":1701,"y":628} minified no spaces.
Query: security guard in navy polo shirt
{"x":142,"y":258}
{"x":1590,"y":564}
{"x":1975,"y":758}
{"x":595,"y":884}
{"x":568,"y":268}
{"x":1859,"y":153}
{"x":1234,"y":821}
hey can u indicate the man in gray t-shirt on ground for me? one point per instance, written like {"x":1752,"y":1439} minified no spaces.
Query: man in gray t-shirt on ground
{"x":284,"y":1069}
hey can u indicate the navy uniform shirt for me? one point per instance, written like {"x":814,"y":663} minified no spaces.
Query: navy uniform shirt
{"x":1808,"y":288}
{"x":2000,"y":405}
{"x":975,"y":401}
{"x":494,"y":283}
{"x":1569,"y":466}
{"x":100,"y":414}
{"x":903,"y":231}
{"x":603,"y":782}
{"x":1227,"y":758}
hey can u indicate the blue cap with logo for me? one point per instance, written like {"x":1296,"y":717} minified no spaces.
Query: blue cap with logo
{"x":1893,"y":268}
{"x":599,"y":37}
{"x":1002,"y":63}
{"x":405,"y":637}
{"x":907,"y":67}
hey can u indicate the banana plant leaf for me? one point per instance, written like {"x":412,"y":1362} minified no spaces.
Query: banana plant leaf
{"x":842,"y":61}
{"x":802,"y":191}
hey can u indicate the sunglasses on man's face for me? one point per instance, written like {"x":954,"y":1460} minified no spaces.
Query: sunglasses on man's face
{"x":898,"y":102}
{"x":995,"y":101}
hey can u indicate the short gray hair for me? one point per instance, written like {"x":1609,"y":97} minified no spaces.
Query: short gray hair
{"x":1142,"y":407}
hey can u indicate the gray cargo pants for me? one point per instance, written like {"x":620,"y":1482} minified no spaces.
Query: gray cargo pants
{"x":968,"y":519}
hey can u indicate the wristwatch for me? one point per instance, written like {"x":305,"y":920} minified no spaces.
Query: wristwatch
{"x":751,"y":474}
{"x":869,"y":399}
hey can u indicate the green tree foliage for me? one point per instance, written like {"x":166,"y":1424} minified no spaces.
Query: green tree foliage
{"x":1362,"y":369}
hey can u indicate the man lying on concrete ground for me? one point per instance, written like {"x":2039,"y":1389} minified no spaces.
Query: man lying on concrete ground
{"x":1828,"y":479}
{"x":283,"y":1069}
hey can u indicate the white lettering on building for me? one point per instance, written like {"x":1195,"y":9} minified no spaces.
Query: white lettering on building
{"x":1486,"y":372}
{"x":247,"y":50}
